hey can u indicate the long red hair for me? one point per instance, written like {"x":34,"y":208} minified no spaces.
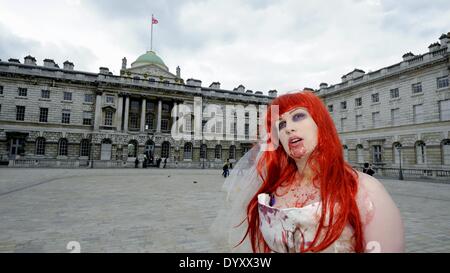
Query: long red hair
{"x":336,"y":178}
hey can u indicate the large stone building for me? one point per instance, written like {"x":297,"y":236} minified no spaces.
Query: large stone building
{"x":52,"y":116}
{"x":405,"y":105}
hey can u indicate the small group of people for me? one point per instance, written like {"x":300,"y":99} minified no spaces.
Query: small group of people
{"x":149,"y":161}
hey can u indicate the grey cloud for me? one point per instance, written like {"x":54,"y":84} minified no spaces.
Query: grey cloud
{"x":17,"y":47}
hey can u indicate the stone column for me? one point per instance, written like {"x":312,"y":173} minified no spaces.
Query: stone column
{"x":158,"y":122}
{"x":98,"y":111}
{"x":127,"y":109}
{"x":119,"y":114}
{"x":175,"y":112}
{"x":143,"y":112}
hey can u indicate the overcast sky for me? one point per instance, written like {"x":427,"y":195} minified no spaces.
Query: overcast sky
{"x":262,"y":44}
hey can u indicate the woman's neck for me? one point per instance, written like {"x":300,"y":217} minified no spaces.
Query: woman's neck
{"x":304,"y":171}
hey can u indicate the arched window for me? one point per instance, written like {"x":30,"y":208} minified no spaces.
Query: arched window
{"x":345,"y":152}
{"x":149,"y":149}
{"x":165,"y":149}
{"x":218,"y":152}
{"x":62,"y":147}
{"x":40,"y":146}
{"x":446,"y":152}
{"x":84,"y":147}
{"x":232,"y":152}
{"x":420,"y":152}
{"x":203,"y":151}
{"x":132,"y":148}
{"x":360,"y":153}
{"x":188,"y":150}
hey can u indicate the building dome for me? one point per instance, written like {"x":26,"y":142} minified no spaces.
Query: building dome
{"x":149,"y":58}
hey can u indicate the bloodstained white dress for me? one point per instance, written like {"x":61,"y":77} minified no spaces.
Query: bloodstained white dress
{"x":284,"y":229}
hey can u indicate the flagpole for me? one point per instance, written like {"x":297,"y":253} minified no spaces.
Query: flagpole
{"x":151,"y":36}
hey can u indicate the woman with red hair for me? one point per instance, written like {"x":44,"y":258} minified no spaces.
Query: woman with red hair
{"x":301,"y":196}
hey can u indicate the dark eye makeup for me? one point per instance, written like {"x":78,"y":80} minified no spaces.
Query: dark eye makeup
{"x":296,"y":117}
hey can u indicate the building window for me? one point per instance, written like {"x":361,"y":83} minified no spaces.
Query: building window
{"x":376,"y":153}
{"x":343,"y":124}
{"x":108,"y":118}
{"x":65,"y":116}
{"x":444,"y":110}
{"x":218,"y":152}
{"x":149,"y":121}
{"x":150,"y":106}
{"x":109,"y":99}
{"x":187,"y":128}
{"x":188,"y":150}
{"x":68,"y":96}
{"x":203,"y":154}
{"x":218,"y":127}
{"x":375,"y":119}
{"x":394,"y":93}
{"x":164,"y":124}
{"x":446,"y":152}
{"x":358,"y":122}
{"x":165,"y":149}
{"x":416,"y":88}
{"x":40,"y":146}
{"x":20,"y":112}
{"x":358,"y":102}
{"x":360,"y":153}
{"x":232,"y":152}
{"x":420,"y":152}
{"x":43,"y":114}
{"x":87,"y":118}
{"x":247,"y":128}
{"x":62,"y":147}
{"x":1,"y":90}
{"x":84,"y":147}
{"x":343,"y":105}
{"x":418,"y":113}
{"x":394,"y":116}
{"x":375,"y":98}
{"x":442,"y":82}
{"x":22,"y":92}
{"x":134,"y":120}
{"x":45,"y":94}
{"x":165,"y":108}
{"x":88,"y":98}
{"x":330,"y":108}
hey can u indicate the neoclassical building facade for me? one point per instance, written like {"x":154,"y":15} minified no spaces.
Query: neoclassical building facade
{"x":397,"y":115}
{"x":52,"y":116}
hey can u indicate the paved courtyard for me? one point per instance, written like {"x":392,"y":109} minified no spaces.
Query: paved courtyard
{"x":160,"y":210}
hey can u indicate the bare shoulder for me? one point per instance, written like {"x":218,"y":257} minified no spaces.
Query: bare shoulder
{"x":371,"y":192}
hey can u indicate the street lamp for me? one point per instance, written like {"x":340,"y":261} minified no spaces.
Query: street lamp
{"x":399,"y":148}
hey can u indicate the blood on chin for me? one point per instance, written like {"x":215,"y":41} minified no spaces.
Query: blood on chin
{"x":297,"y":151}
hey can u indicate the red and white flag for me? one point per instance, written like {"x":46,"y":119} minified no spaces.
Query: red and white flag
{"x":154,"y":21}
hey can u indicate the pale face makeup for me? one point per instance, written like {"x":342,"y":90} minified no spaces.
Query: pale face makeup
{"x":297,"y":132}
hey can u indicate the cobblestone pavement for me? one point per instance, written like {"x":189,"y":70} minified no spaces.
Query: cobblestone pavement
{"x":160,"y":210}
